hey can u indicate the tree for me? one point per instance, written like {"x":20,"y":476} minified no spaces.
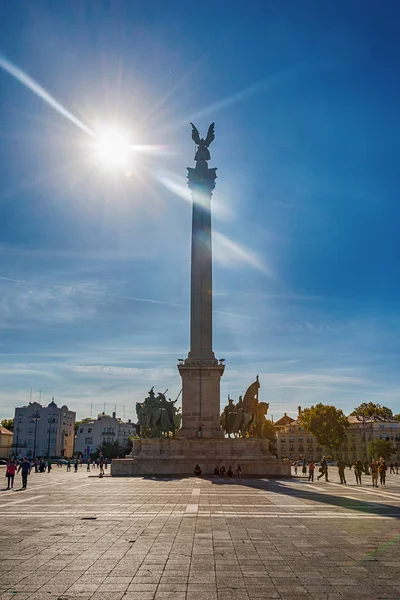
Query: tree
{"x":373,"y":411}
{"x":113,"y":450}
{"x":8,"y":424}
{"x":397,"y":417}
{"x":381,"y":448}
{"x":326,"y":423}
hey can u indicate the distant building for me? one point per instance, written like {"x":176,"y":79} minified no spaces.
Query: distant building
{"x":106,"y":429}
{"x":43,"y":431}
{"x":295,"y":443}
{"x":6,"y":438}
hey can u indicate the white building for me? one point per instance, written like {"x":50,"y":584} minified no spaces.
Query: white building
{"x":106,"y":429}
{"x":43,"y":431}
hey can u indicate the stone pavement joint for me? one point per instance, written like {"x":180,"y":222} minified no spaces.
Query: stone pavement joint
{"x":72,"y":537}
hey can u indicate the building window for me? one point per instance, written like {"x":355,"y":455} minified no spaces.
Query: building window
{"x":89,"y":430}
{"x":300,"y":438}
{"x":81,"y":430}
{"x":88,"y":440}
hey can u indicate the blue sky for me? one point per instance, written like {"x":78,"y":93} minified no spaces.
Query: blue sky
{"x":94,"y":265}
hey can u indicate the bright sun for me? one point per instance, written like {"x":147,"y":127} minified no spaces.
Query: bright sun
{"x":113,"y":150}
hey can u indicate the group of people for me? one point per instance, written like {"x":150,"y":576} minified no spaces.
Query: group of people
{"x":377,"y":468}
{"x":14,"y":467}
{"x":40,"y":465}
{"x":221,"y":471}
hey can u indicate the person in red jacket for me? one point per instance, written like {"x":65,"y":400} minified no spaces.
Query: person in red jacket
{"x":10,"y":473}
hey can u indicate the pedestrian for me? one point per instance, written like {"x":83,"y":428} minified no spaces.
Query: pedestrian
{"x":42,"y":466}
{"x":374,"y":473}
{"x":238,"y":472}
{"x":10,"y":473}
{"x":101,"y":464}
{"x":382,"y":472}
{"x":358,"y":469}
{"x":76,"y":465}
{"x":295,"y":467}
{"x":106,"y":462}
{"x":197,"y":471}
{"x":68,"y":465}
{"x":25,"y":468}
{"x":323,"y":469}
{"x":311,"y":469}
{"x":93,"y":464}
{"x":49,"y":465}
{"x":396,"y":466}
{"x":216,"y":471}
{"x":392,"y":468}
{"x":88,"y":466}
{"x":341,"y":465}
{"x":36,"y":465}
{"x":229,"y":472}
{"x":222,"y":471}
{"x":304,"y":467}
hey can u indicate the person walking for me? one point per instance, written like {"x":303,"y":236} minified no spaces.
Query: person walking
{"x":304,"y":467}
{"x":382,"y":472}
{"x":396,"y":466}
{"x":358,"y":469}
{"x":10,"y":473}
{"x":36,"y":465}
{"x":295,"y":467}
{"x":25,"y":468}
{"x":68,"y":465}
{"x":374,"y":473}
{"x":311,"y":469}
{"x":88,"y":465}
{"x":239,"y":472}
{"x":392,"y":468}
{"x":323,"y":469}
{"x":76,"y":465}
{"x":341,"y":465}
{"x":49,"y":465}
{"x":106,"y":463}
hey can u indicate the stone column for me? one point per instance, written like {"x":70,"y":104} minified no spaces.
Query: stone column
{"x":201,"y":371}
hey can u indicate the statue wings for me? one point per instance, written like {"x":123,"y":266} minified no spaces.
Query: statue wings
{"x":210,"y":135}
{"x":195,"y":134}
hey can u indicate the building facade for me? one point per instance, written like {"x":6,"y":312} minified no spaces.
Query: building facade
{"x":295,"y":443}
{"x":6,"y":438}
{"x":41,"y":431}
{"x":106,"y":429}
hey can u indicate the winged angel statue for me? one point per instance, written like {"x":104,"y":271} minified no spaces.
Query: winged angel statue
{"x":202,"y":144}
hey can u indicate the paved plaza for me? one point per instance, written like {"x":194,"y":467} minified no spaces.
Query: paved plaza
{"x":73,"y":536}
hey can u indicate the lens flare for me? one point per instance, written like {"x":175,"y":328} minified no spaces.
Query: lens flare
{"x":113,"y":150}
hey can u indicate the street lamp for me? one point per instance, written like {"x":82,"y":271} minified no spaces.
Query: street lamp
{"x":36,"y":418}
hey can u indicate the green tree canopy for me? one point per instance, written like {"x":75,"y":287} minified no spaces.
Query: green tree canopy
{"x":113,"y":450}
{"x":381,"y":448}
{"x":268,"y":430}
{"x":8,"y":424}
{"x":397,"y":417}
{"x":372,"y":411}
{"x":326,"y":423}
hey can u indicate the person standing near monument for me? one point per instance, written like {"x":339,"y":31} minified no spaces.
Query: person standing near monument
{"x":25,"y":468}
{"x":374,"y":473}
{"x":311,"y":469}
{"x":358,"y":469}
{"x":341,"y":465}
{"x":10,"y":473}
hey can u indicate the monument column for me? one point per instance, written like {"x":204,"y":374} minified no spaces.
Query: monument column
{"x":201,"y":372}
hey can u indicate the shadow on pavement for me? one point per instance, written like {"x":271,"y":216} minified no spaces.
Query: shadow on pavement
{"x":304,"y":492}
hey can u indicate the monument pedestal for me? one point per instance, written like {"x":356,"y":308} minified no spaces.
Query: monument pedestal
{"x":178,"y":456}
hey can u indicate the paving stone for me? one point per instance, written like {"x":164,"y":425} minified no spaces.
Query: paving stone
{"x":252,"y":539}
